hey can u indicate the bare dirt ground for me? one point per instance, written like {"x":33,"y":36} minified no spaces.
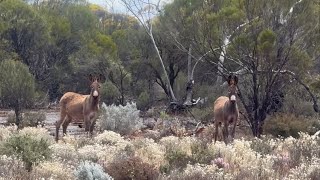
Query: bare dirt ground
{"x":52,"y":115}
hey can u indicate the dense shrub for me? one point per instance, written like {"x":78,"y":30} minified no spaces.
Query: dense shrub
{"x":201,"y":153}
{"x":91,"y":171}
{"x":29,"y":119}
{"x":109,"y":93}
{"x":263,"y":145}
{"x":12,"y":168}
{"x":131,"y":167}
{"x":65,"y":153}
{"x":6,"y":132}
{"x":205,"y":115}
{"x":52,"y":170}
{"x":177,"y":159}
{"x":143,"y":101}
{"x":149,"y":151}
{"x":31,"y":145}
{"x":121,"y":119}
{"x":286,"y":125}
{"x":169,"y":158}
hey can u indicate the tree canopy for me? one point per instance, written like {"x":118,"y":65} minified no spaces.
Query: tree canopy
{"x":270,"y":45}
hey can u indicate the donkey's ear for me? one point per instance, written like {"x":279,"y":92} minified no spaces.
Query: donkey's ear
{"x":91,"y":77}
{"x":236,"y":80}
{"x":102,"y":78}
{"x":229,"y":79}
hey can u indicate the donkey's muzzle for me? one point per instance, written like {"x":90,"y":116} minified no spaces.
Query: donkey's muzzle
{"x":95,"y":94}
{"x":233,"y":98}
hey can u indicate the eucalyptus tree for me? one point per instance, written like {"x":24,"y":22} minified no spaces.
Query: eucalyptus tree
{"x":17,"y":86}
{"x":267,"y":43}
{"x":144,"y":11}
{"x":26,"y":34}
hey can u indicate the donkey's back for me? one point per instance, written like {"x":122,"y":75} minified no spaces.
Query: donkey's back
{"x":71,"y":104}
{"x":218,"y":108}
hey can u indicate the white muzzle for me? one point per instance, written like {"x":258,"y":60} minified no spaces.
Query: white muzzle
{"x":95,"y":93}
{"x":233,"y":98}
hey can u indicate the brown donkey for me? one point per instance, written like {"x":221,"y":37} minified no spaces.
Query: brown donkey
{"x":226,"y":111}
{"x":78,"y":108}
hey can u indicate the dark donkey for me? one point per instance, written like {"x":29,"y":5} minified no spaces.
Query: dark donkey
{"x":226,"y":110}
{"x":79,"y":108}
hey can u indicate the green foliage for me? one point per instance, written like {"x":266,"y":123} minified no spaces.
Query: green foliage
{"x":201,"y":153}
{"x":33,"y":119}
{"x":29,"y":119}
{"x":28,"y":148}
{"x":17,"y":85}
{"x":120,"y":119}
{"x":109,"y":93}
{"x":12,"y":168}
{"x":285,"y":125}
{"x":266,"y":39}
{"x":91,"y":171}
{"x":143,"y":101}
{"x":131,"y":167}
{"x":25,"y":34}
{"x":177,"y":159}
{"x":81,"y":19}
{"x":262,"y":146}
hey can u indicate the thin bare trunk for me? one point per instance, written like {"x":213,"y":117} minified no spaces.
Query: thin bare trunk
{"x":173,"y":98}
{"x":190,"y":80}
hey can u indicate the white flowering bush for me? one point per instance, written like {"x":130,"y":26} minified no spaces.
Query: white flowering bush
{"x":11,"y":168}
{"x":5,"y":132}
{"x":92,"y":152}
{"x":64,"y":153}
{"x":143,"y":158}
{"x":53,"y":170}
{"x":91,"y":171}
{"x":109,"y":138}
{"x":31,"y":145}
{"x":149,"y":151}
{"x":121,"y":119}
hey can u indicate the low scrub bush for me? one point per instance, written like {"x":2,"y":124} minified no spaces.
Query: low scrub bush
{"x":205,"y":115}
{"x":197,"y":171}
{"x":91,"y":171}
{"x":12,"y":168}
{"x":143,"y":101}
{"x":263,"y":145}
{"x":29,"y":145}
{"x":120,"y":119}
{"x":65,"y":153}
{"x":29,"y":119}
{"x":149,"y":151}
{"x":286,"y":125}
{"x":52,"y":170}
{"x":178,"y":158}
{"x":131,"y":167}
{"x":6,"y":132}
{"x":201,"y":153}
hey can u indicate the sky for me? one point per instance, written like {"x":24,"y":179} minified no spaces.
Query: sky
{"x":117,"y":5}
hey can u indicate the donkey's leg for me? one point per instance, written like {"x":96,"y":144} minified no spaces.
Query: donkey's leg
{"x":65,"y":124}
{"x":216,"y":131}
{"x":59,"y":122}
{"x":93,"y":122}
{"x":86,"y":123}
{"x":233,"y":129}
{"x":225,"y":132}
